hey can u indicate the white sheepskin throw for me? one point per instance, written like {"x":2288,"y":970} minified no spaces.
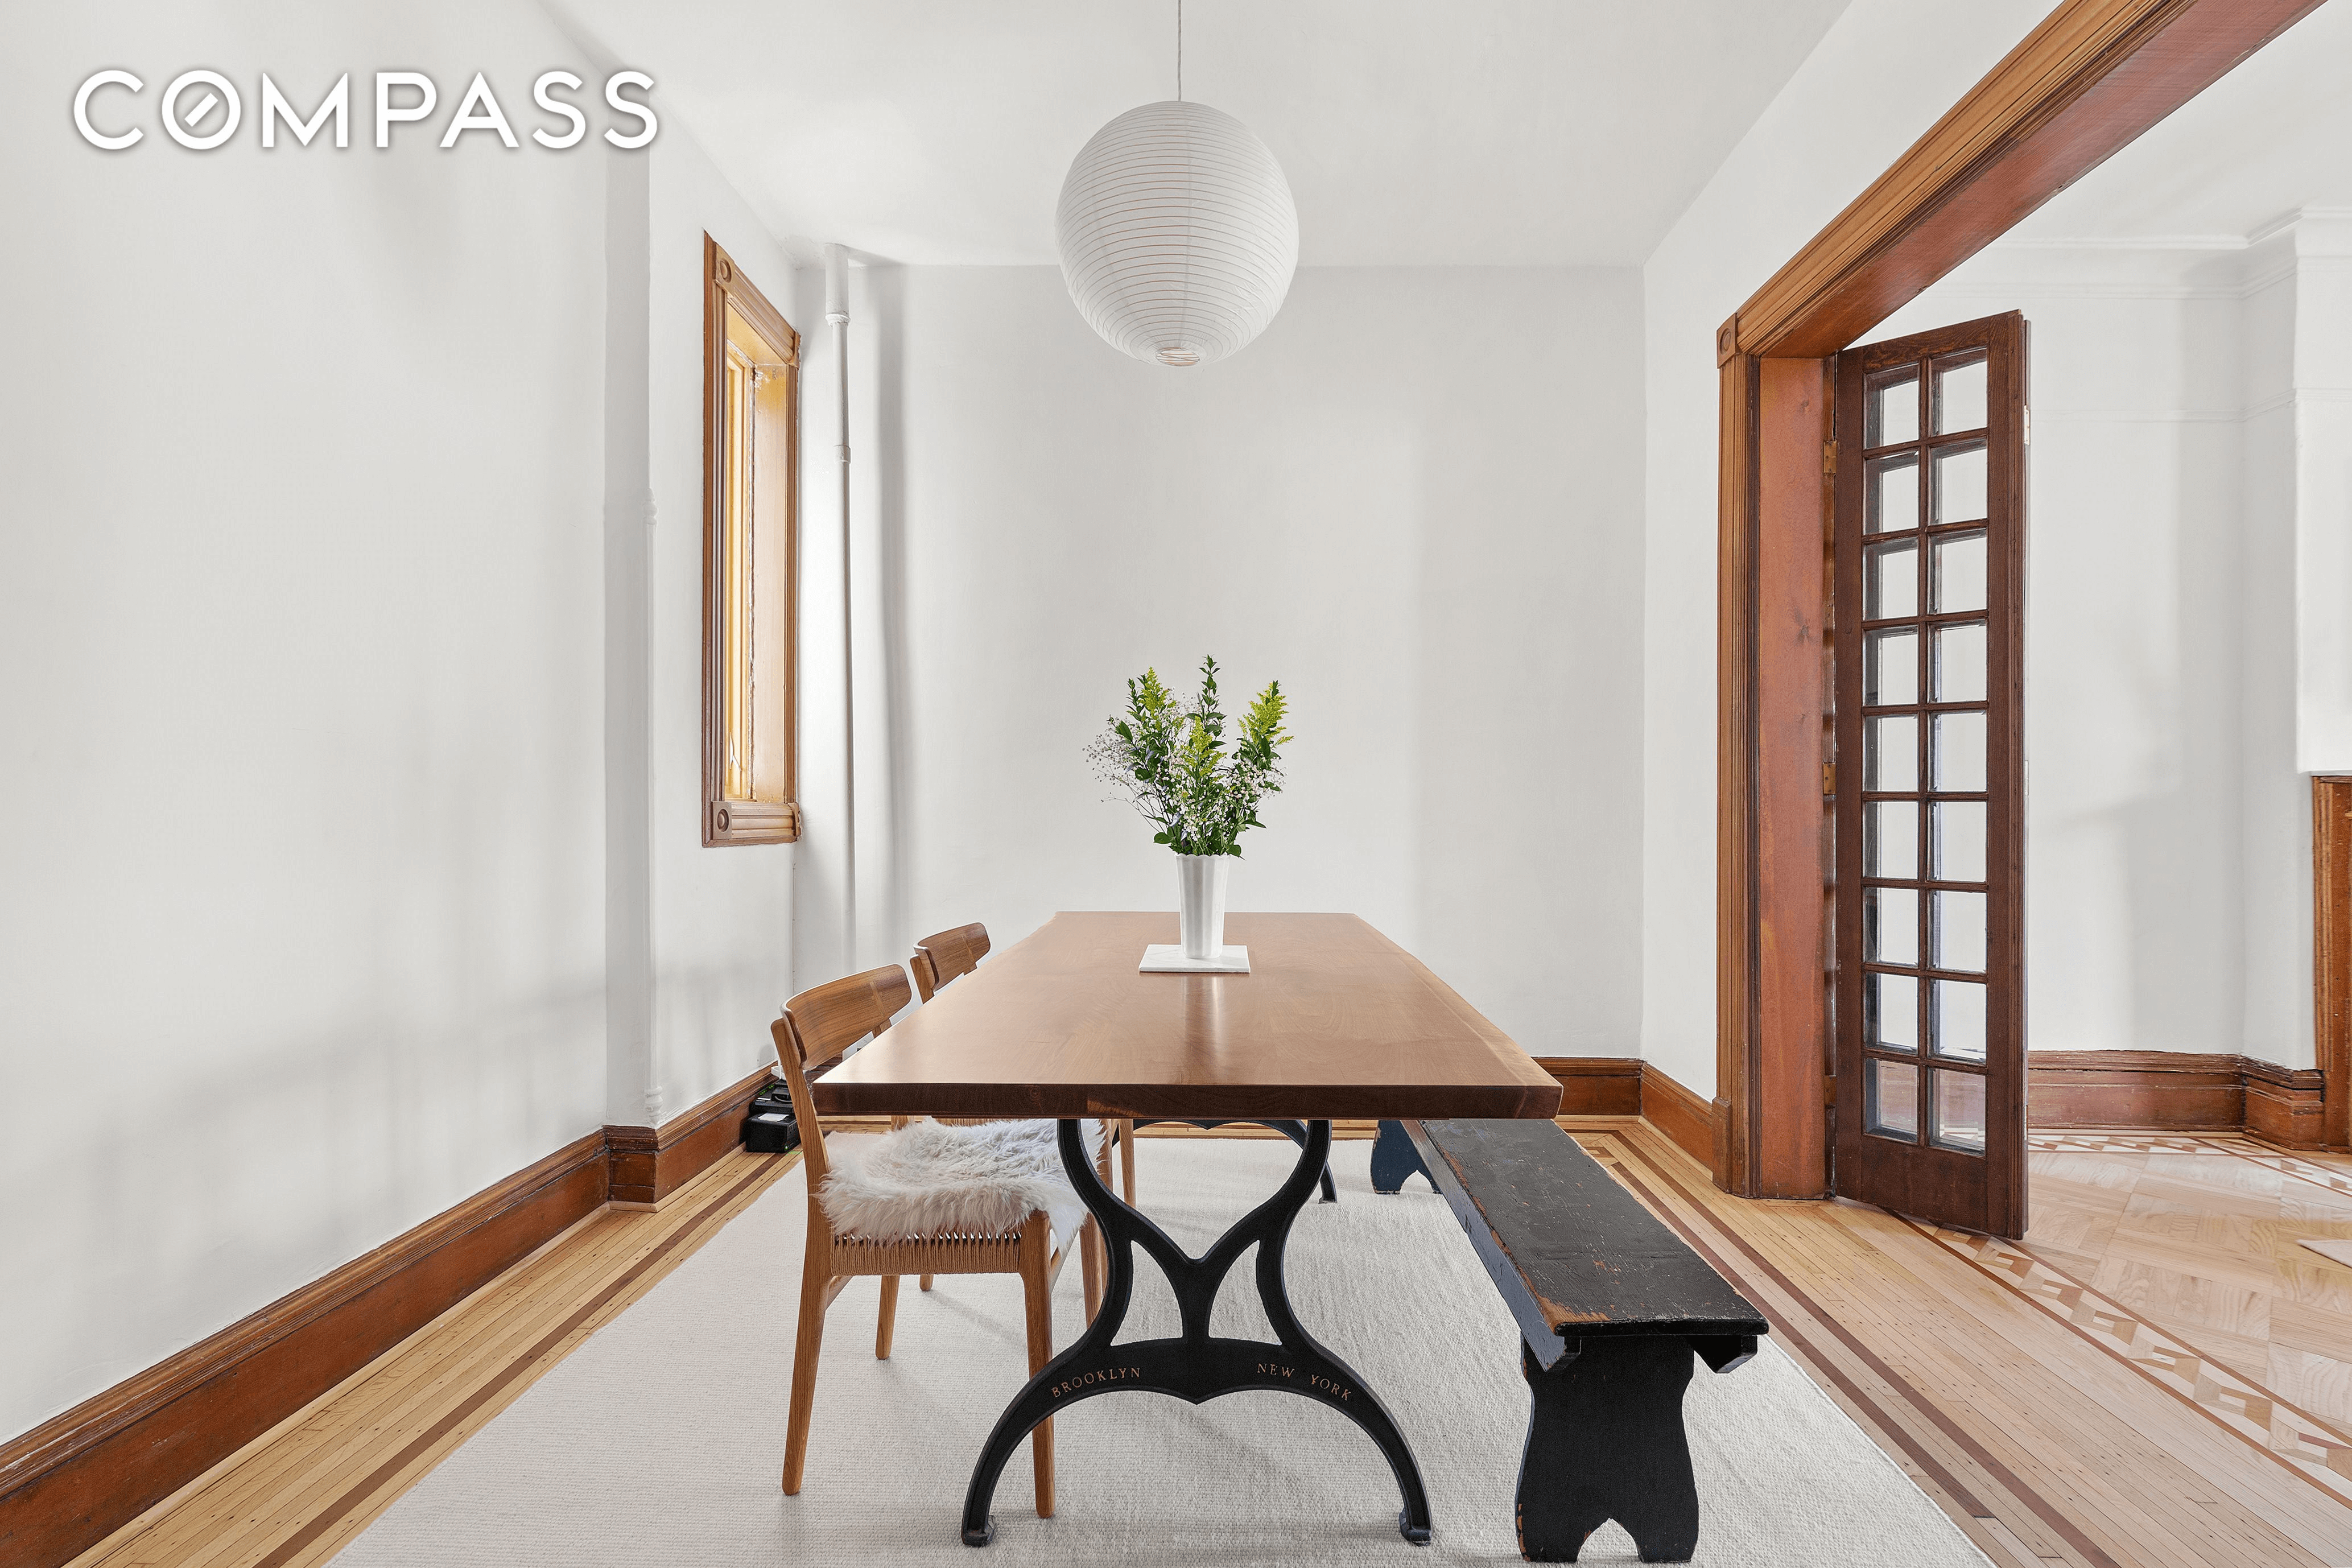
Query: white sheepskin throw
{"x":933,"y":1179}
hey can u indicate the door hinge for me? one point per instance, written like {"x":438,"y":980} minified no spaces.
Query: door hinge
{"x":1828,"y":778}
{"x":2029,"y":424}
{"x":1829,"y":1091}
{"x":1829,"y":456}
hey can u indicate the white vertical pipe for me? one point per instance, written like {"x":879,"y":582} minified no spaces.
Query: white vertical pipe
{"x":836,"y":312}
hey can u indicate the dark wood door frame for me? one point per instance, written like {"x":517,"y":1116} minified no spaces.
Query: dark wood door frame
{"x":2331,"y":943}
{"x":2082,"y":85}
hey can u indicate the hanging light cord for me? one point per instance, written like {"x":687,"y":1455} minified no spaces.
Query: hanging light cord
{"x":1180,"y":51}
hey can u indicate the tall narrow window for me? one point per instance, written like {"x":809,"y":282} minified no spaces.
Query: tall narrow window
{"x":751,"y":425}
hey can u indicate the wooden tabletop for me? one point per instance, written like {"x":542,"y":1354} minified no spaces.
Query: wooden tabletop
{"x":1333,"y":1020}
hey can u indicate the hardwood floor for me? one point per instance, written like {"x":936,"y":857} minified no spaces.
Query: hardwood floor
{"x":2054,"y":1423}
{"x":299,"y":1493}
{"x":2203,"y":1235}
{"x":2157,"y":1375}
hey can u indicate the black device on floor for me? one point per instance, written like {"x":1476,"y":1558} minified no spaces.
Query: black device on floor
{"x":768,"y":1124}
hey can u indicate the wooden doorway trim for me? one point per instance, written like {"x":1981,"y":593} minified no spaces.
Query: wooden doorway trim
{"x":2082,"y":85}
{"x":2331,"y":958}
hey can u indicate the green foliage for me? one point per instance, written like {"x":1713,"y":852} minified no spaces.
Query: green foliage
{"x":1170,"y":761}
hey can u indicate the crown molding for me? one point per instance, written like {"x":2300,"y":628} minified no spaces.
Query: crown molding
{"x":2314,"y":213}
{"x":2126,"y":242}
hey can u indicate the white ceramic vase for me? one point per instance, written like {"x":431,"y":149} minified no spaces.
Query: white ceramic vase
{"x":1201,"y":903}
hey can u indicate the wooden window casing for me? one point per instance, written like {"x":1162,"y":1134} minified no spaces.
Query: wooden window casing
{"x":751,"y":562}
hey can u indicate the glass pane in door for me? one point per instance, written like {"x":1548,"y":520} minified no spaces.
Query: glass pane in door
{"x":1960,"y":396}
{"x":1890,"y":753}
{"x":1893,"y":1110}
{"x":1959,"y":1110}
{"x":1891,"y":839}
{"x":1890,"y":580}
{"x":1958,"y":1019}
{"x":1893,"y":413}
{"x":1890,"y":1012}
{"x":1893,"y":487}
{"x":1960,"y":484}
{"x":1960,"y":662}
{"x":1958,"y":578}
{"x":1891,"y":666}
{"x":1957,"y":752}
{"x":1890,"y":925}
{"x":1957,"y":932}
{"x":1958,"y":840}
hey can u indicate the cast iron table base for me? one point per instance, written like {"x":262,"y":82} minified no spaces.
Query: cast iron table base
{"x":1293,"y":1130}
{"x":1196,"y":1367}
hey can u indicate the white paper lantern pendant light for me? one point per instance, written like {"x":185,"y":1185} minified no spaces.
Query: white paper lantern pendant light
{"x":1177,"y":232}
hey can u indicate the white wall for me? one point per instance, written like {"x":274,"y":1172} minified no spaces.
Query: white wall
{"x":2275,"y":1022}
{"x":1415,"y":500}
{"x":2148,"y":740}
{"x":2186,"y":616}
{"x":2298,"y":490}
{"x":2277,"y":805}
{"x":2320,"y":244}
{"x":2186,"y":474}
{"x":300,"y":801}
{"x":721,"y":918}
{"x":330,"y":471}
{"x":1884,"y":72}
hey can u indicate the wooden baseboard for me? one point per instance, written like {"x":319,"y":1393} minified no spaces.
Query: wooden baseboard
{"x":2171,"y":1090}
{"x":71,"y":1480}
{"x":650,"y":1164}
{"x":1686,"y":1118}
{"x":2287,"y":1106}
{"x":1596,"y":1086}
{"x":2179,"y":1091}
{"x":1627,"y":1086}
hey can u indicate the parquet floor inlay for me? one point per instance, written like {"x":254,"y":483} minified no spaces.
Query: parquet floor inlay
{"x":2198,"y":1240}
{"x":2322,"y":1454}
{"x":2055,"y":1419}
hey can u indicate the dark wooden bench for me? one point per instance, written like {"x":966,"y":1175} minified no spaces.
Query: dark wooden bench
{"x":1611,"y":1305}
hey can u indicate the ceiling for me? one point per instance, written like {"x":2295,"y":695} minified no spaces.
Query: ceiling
{"x":2272,"y":136}
{"x":1413,"y":132}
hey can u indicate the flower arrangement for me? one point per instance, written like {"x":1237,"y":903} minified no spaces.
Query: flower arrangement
{"x":1169,"y":759}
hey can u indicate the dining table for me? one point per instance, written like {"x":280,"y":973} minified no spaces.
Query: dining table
{"x":1331,"y":1020}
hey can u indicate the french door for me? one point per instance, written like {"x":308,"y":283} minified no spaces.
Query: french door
{"x":1930,"y":1006}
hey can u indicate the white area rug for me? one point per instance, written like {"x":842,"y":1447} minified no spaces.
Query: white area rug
{"x":659,"y":1440}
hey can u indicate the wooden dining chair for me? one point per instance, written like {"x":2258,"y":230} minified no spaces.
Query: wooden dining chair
{"x":942,"y":957}
{"x":818,"y":1025}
